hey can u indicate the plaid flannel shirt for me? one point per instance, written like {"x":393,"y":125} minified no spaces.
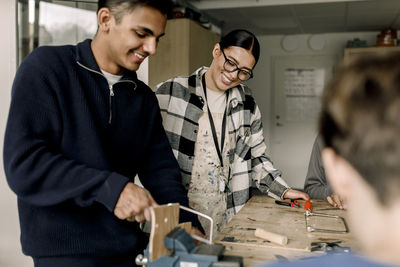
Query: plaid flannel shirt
{"x":181,"y":102}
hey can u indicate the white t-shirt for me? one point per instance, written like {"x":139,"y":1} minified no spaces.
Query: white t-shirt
{"x":216,"y":101}
{"x":111,"y":78}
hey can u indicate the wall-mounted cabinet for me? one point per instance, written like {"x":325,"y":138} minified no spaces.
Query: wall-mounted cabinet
{"x":352,"y":53}
{"x":185,"y":47}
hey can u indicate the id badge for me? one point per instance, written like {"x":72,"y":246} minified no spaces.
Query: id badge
{"x":222,"y":185}
{"x":221,"y":179}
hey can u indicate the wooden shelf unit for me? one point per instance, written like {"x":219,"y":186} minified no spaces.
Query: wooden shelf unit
{"x":351,"y":53}
{"x":185,"y":47}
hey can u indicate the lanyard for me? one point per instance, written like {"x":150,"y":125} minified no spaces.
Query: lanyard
{"x":214,"y":132}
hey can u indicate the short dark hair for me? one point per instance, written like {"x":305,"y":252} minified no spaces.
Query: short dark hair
{"x":121,"y":7}
{"x":244,"y":39}
{"x":360,"y":120}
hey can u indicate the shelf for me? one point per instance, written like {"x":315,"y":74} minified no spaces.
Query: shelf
{"x":352,"y":53}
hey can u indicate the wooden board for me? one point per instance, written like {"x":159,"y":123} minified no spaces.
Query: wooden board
{"x":262,"y":212}
{"x":164,"y":219}
{"x":253,"y":255}
{"x":187,"y":226}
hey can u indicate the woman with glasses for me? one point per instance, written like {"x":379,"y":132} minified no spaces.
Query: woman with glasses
{"x":214,"y":127}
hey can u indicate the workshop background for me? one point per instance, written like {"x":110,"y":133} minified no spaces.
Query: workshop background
{"x":302,"y":41}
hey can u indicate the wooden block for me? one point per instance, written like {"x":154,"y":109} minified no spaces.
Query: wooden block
{"x":164,"y":219}
{"x":187,"y":226}
{"x":276,"y":238}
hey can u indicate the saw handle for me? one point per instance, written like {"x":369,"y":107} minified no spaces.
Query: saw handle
{"x":308,"y":205}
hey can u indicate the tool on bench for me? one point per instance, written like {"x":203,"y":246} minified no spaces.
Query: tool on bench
{"x":171,"y":245}
{"x":329,"y":247}
{"x":272,"y":237}
{"x":292,"y":203}
{"x":308,"y":213}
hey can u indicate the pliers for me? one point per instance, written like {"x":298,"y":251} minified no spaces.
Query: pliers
{"x":292,"y":203}
{"x":329,"y":247}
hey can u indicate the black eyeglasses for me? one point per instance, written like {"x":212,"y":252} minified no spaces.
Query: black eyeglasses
{"x":231,"y":66}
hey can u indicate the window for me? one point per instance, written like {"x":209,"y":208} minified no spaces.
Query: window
{"x":54,"y":23}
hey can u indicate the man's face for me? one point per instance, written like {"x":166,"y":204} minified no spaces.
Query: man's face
{"x":364,"y":210}
{"x":134,"y":38}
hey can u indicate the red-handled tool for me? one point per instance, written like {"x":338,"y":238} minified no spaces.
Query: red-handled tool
{"x":292,"y":203}
{"x":308,"y":206}
{"x":296,"y":203}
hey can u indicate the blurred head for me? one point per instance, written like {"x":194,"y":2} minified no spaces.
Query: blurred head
{"x":129,"y":32}
{"x":360,"y":121}
{"x":234,"y":59}
{"x":360,"y":125}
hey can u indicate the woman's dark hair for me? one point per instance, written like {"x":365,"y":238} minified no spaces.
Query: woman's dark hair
{"x":244,"y":39}
{"x":121,"y":7}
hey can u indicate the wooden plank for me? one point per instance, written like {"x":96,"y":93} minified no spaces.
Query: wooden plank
{"x":187,"y":226}
{"x":272,"y":237}
{"x":164,"y":219}
{"x":253,"y":255}
{"x":262,"y":212}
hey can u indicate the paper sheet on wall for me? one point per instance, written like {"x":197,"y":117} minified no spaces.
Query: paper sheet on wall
{"x":303,"y":88}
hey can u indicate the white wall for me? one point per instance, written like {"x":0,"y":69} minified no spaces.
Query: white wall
{"x":10,"y":249}
{"x":263,"y":75}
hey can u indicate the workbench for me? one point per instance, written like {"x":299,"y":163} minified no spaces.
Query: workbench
{"x":262,"y":212}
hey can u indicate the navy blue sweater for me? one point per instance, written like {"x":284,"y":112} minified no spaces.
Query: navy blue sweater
{"x":70,"y":148}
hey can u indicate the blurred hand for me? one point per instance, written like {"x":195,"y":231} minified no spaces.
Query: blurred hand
{"x":296,"y":194}
{"x":134,"y":203}
{"x":336,"y":201}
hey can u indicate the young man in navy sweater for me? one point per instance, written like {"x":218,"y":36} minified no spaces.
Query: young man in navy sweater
{"x":81,"y":126}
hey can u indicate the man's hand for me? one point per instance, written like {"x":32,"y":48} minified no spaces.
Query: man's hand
{"x":296,"y":194}
{"x":336,"y":201}
{"x":134,"y":203}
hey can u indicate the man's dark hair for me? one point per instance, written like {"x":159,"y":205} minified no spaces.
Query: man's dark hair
{"x":121,"y":7}
{"x":244,"y":39}
{"x":360,"y":120}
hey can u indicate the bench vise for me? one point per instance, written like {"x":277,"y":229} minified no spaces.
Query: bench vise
{"x":184,"y":252}
{"x":171,"y":245}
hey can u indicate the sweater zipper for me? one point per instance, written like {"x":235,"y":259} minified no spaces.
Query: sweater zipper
{"x":110,"y":105}
{"x":110,"y":87}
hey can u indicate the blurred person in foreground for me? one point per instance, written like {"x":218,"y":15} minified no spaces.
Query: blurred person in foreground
{"x":360,"y":127}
